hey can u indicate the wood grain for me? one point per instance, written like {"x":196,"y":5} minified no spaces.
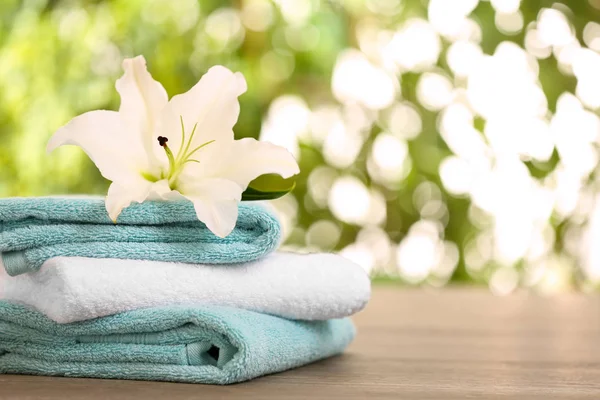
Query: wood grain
{"x":451,"y":344}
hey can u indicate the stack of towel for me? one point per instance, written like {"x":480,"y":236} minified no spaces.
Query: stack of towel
{"x":159,"y":297}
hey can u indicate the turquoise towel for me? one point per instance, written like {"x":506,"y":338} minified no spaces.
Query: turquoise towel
{"x":217,"y":345}
{"x":33,"y":230}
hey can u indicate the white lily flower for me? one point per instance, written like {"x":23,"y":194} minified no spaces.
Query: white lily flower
{"x":153,"y":148}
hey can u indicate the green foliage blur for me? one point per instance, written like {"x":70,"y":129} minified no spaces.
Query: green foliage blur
{"x":59,"y":59}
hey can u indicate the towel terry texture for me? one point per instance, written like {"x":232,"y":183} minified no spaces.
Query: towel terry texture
{"x":203,"y":344}
{"x":33,"y":230}
{"x":295,"y":286}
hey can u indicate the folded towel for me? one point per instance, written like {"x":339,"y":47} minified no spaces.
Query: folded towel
{"x":296,"y":286}
{"x":33,"y":230}
{"x":205,"y":344}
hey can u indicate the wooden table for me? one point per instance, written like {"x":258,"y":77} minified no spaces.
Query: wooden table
{"x":449,"y":344}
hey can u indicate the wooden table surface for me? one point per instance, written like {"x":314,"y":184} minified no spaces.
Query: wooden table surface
{"x":448,"y":344}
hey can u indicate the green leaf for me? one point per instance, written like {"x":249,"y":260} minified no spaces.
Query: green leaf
{"x":268,"y":187}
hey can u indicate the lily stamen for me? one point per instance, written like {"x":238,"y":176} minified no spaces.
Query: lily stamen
{"x":183,"y":156}
{"x":198,"y":148}
{"x":163,"y":142}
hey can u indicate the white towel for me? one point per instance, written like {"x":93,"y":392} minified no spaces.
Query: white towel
{"x":295,"y":286}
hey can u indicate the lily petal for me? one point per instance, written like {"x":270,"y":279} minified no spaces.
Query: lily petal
{"x":101,"y":135}
{"x":142,"y":100}
{"x":120,"y":196}
{"x":211,"y":106}
{"x":216,"y":203}
{"x":241,"y":161}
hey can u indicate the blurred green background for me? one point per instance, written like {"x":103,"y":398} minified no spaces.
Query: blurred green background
{"x":439,"y":141}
